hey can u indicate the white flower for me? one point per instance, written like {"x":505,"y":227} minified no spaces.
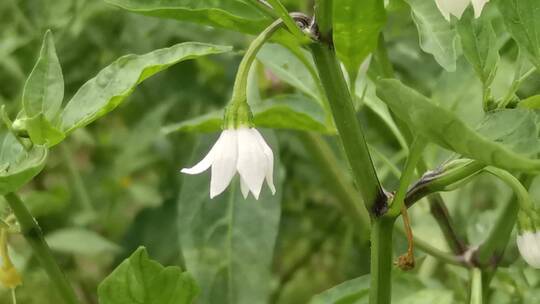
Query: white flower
{"x":457,"y":7}
{"x":243,"y":150}
{"x":529,"y":247}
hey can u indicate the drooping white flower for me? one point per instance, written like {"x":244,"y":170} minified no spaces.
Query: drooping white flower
{"x":457,"y":7}
{"x":241,"y":150}
{"x":528,"y":244}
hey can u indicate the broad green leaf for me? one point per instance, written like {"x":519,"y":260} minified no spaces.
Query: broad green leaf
{"x":521,"y":19}
{"x":237,"y":15}
{"x":81,"y":242}
{"x":428,"y":296}
{"x":480,"y":46}
{"x":357,"y":24}
{"x":532,"y":102}
{"x":144,"y":281}
{"x":354,"y":291}
{"x":44,"y":89}
{"x":445,"y":129}
{"x":294,"y":112}
{"x":290,"y":68}
{"x":517,"y":129}
{"x":18,"y":166}
{"x":228,"y":242}
{"x":113,"y":84}
{"x":210,"y":122}
{"x":437,"y":37}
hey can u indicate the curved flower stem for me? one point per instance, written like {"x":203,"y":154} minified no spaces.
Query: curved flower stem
{"x":240,"y":82}
{"x":493,"y":248}
{"x":33,"y":234}
{"x":289,"y":22}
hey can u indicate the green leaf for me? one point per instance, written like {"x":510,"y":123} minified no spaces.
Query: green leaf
{"x":517,"y":129}
{"x":113,"y":84}
{"x":357,"y":24}
{"x":428,"y":296}
{"x":437,"y":37}
{"x":144,"y":281}
{"x":294,"y":112}
{"x":41,"y":131}
{"x":445,"y":129}
{"x":44,"y":89}
{"x":480,"y":47}
{"x":235,"y":15}
{"x":18,"y":166}
{"x":228,"y":242}
{"x":81,"y":242}
{"x":354,"y":291}
{"x":521,"y":19}
{"x":290,"y":68}
{"x":532,"y":102}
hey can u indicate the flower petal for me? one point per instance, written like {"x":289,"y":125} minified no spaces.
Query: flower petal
{"x":269,"y":160}
{"x":206,"y":162}
{"x":454,"y":7}
{"x":244,"y":187}
{"x":252,"y":163}
{"x":529,"y":247}
{"x":478,"y":6}
{"x":224,"y":165}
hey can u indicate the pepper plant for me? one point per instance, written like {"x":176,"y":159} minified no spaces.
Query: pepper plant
{"x":399,"y":142}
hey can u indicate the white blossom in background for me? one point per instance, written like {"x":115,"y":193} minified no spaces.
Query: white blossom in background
{"x":241,"y":150}
{"x":457,"y":7}
{"x":528,"y":244}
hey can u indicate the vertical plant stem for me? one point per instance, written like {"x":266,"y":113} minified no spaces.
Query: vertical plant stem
{"x":349,"y":129}
{"x":476,"y":286}
{"x":33,"y":234}
{"x":381,"y":260}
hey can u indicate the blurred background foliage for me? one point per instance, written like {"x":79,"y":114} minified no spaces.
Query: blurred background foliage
{"x":115,"y":185}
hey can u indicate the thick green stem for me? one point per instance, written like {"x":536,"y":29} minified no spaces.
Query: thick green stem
{"x":476,"y":296}
{"x":381,"y":260}
{"x":349,"y":129}
{"x":347,"y":196}
{"x":33,"y":234}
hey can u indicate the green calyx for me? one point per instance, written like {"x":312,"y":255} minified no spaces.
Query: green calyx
{"x":237,"y":115}
{"x":528,"y":222}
